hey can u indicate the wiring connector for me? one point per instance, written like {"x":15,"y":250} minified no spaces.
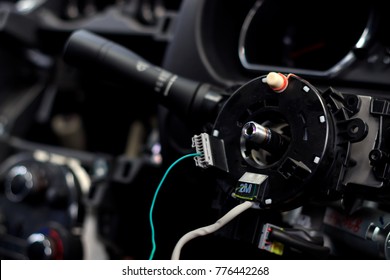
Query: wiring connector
{"x":268,"y":245}
{"x":212,"y":151}
{"x":201,"y":143}
{"x":250,"y":187}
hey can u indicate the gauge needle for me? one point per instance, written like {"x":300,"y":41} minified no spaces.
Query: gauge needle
{"x":307,"y":49}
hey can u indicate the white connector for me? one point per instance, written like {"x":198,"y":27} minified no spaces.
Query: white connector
{"x":211,"y":150}
{"x":201,"y":143}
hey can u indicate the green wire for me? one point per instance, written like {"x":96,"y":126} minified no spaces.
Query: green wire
{"x":155,"y":197}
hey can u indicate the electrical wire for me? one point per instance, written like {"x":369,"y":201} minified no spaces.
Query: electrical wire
{"x":154,"y":201}
{"x":298,"y":243}
{"x":303,"y":234}
{"x":211,"y":228}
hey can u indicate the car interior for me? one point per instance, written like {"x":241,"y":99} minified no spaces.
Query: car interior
{"x":194,"y":129}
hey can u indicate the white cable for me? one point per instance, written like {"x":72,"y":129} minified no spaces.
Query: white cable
{"x":211,"y":228}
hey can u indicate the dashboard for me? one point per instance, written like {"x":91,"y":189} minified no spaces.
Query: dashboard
{"x":284,"y":105}
{"x":330,"y":43}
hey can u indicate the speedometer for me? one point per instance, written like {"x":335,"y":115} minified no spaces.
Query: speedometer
{"x":308,"y":37}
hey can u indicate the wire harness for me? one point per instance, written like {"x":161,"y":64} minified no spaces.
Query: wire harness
{"x":211,"y":228}
{"x":286,"y":238}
